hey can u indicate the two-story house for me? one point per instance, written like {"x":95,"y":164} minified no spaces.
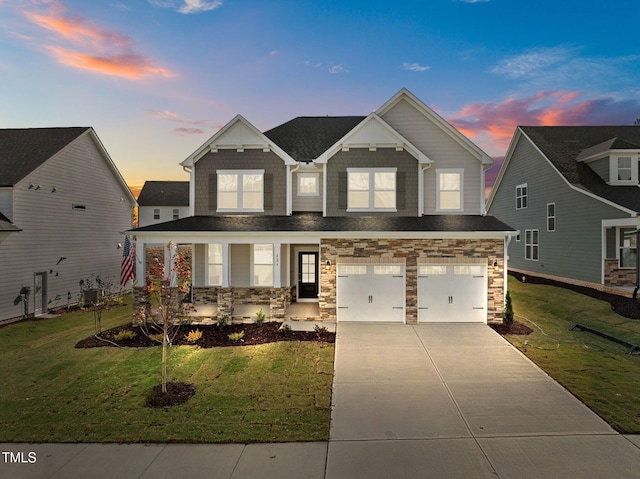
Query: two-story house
{"x":373,"y":218}
{"x":161,"y":201}
{"x":573,"y":193}
{"x":63,"y":208}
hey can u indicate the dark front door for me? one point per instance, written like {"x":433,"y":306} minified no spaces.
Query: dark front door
{"x":307,"y":275}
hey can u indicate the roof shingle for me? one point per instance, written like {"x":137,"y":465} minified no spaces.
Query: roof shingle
{"x":164,"y":193}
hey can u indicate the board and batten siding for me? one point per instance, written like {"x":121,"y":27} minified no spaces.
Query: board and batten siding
{"x":53,"y":229}
{"x":445,"y":152}
{"x":574,"y":249}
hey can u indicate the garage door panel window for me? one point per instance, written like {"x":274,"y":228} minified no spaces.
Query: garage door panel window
{"x":388,"y":269}
{"x":468,"y":270}
{"x":431,"y":270}
{"x":352,"y":269}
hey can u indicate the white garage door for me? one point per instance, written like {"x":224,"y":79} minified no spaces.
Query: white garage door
{"x":371,"y":292}
{"x":452,"y":293}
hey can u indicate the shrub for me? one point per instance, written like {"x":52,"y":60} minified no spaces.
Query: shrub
{"x":235,"y":337}
{"x":124,"y":335}
{"x":260,"y":317}
{"x":193,"y":336}
{"x":285,"y":329}
{"x":320,"y":329}
{"x":222,"y":321}
{"x":507,"y":315}
{"x":156,"y":337}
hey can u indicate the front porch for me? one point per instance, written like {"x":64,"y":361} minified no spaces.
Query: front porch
{"x":208,"y":313}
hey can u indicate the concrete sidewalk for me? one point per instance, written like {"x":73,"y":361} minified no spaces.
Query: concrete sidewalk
{"x":440,"y":400}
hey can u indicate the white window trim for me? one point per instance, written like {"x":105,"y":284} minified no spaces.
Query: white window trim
{"x":526,"y":196}
{"x":532,"y":244}
{"x":252,"y":265}
{"x":613,"y":169}
{"x":440,"y":171}
{"x":308,"y":175}
{"x":239,"y":174}
{"x":175,"y":214}
{"x":372,"y":191}
{"x":154,"y":213}
{"x":554,"y":216}
{"x":215,"y":264}
{"x":619,"y":248}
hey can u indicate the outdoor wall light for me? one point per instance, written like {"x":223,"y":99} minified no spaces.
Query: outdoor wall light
{"x":53,"y":189}
{"x":495,"y":265}
{"x":119,"y":246}
{"x":327,"y":265}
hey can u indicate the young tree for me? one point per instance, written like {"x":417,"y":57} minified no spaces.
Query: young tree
{"x":507,"y":315}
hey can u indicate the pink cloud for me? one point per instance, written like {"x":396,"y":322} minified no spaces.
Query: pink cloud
{"x":491,"y":125}
{"x":93,"y":47}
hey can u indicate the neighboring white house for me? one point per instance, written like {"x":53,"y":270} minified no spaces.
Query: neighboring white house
{"x":63,"y":208}
{"x":161,"y":201}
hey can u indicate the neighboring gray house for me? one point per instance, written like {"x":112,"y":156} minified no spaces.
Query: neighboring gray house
{"x":63,"y":208}
{"x":373,"y":218}
{"x":161,"y":201}
{"x":573,"y":193}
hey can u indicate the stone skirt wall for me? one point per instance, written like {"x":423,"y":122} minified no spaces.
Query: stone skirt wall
{"x":411,"y":252}
{"x":616,"y":276}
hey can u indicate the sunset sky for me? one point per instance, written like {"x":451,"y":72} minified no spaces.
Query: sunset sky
{"x":156,"y":78}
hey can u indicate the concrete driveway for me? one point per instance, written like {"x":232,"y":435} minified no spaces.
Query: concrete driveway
{"x":456,"y":400}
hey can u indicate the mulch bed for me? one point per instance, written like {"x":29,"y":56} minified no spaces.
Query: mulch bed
{"x":212,"y":336}
{"x":177,"y":393}
{"x":627,"y":307}
{"x":516,"y":328}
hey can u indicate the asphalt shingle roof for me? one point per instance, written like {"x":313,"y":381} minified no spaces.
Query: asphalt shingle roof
{"x":23,"y":150}
{"x":305,"y":138}
{"x":565,"y":145}
{"x":316,"y":222}
{"x":164,"y":193}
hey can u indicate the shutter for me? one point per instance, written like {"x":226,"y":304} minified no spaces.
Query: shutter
{"x":268,"y":191}
{"x":342,"y":190}
{"x":213,"y":191}
{"x":401,"y":190}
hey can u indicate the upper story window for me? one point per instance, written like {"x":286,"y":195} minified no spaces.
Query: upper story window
{"x":551,"y":216}
{"x":156,"y":213}
{"x":624,"y":168}
{"x":371,"y":189}
{"x":176,"y":213}
{"x":308,"y":184}
{"x":240,"y":190}
{"x":449,"y":196}
{"x":522,"y":196}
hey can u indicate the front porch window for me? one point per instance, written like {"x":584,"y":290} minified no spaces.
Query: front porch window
{"x":628,"y":247}
{"x":262,"y":265}
{"x":215,"y":265}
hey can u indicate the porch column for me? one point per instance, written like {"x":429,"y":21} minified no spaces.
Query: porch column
{"x":225,"y":265}
{"x":141,"y":267}
{"x":277,"y":281}
{"x":170,"y":273}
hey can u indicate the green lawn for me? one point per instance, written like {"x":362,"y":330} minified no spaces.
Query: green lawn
{"x":54,"y":392}
{"x":597,"y":371}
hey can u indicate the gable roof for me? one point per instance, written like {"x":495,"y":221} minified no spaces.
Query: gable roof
{"x":565,"y":146}
{"x":164,"y":193}
{"x":6,"y":225}
{"x":23,"y":150}
{"x":305,"y":138}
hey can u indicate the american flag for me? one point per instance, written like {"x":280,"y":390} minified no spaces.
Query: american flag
{"x":127,"y":271}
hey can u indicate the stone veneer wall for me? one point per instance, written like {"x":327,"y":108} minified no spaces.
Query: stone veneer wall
{"x":615,"y":276}
{"x":411,"y":252}
{"x":278,"y":299}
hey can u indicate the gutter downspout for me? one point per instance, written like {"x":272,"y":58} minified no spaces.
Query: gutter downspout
{"x":421,"y":170}
{"x":290,"y":189}
{"x":192,"y":190}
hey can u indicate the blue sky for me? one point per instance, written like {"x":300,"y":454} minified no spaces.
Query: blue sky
{"x":156,"y":78}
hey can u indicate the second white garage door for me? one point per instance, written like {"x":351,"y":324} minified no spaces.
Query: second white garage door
{"x":452,"y":293}
{"x":371,"y":292}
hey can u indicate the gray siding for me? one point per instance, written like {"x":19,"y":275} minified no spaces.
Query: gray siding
{"x":52,"y":229}
{"x":233,"y":160}
{"x":363,"y":158}
{"x":601,"y":167}
{"x":443,"y":150}
{"x":306,"y":203}
{"x":574,"y":250}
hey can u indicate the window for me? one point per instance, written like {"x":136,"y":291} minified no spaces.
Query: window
{"x":449,"y":190}
{"x":215,"y":265}
{"x":176,"y":213}
{"x":431,"y":270}
{"x":468,"y":270}
{"x":371,"y":189}
{"x":351,"y":269}
{"x":308,"y":184}
{"x":531,"y":244}
{"x":156,"y":213}
{"x":624,"y":168}
{"x":241,"y":190}
{"x":262,"y":265}
{"x":390,"y":269}
{"x":551,"y":216}
{"x":628,"y":247}
{"x":521,"y":196}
